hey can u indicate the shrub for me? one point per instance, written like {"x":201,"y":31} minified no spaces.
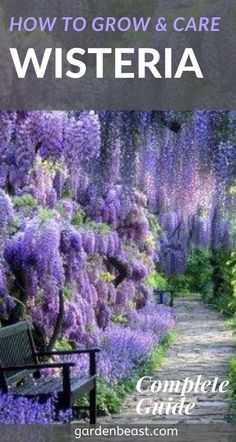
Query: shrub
{"x":231,"y":267}
{"x":157,"y":281}
{"x":112,"y":394}
{"x":199,"y":270}
{"x":222,"y":296}
{"x":232,"y":378}
{"x":197,"y":278}
{"x":22,"y":410}
{"x":179,"y":284}
{"x":123,"y":347}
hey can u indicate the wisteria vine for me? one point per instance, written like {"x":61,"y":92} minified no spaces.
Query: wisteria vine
{"x":91,"y":202}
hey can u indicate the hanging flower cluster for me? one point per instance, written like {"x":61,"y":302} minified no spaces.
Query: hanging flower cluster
{"x":90,"y":201}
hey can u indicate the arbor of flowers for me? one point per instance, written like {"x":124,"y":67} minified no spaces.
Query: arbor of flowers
{"x":74,"y":251}
{"x":90,"y":202}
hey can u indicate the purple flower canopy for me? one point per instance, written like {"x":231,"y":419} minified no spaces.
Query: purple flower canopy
{"x":90,"y":202}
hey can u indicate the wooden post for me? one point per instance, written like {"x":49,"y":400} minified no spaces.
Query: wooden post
{"x":66,"y":387}
{"x":93,"y":392}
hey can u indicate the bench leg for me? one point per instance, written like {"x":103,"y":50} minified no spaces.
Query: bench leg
{"x":93,"y":405}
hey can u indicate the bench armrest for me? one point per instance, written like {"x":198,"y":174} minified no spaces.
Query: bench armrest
{"x":90,"y":351}
{"x":37,"y":366}
{"x":67,"y":352}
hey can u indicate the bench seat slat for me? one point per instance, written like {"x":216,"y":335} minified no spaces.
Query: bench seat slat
{"x":49,"y":384}
{"x":19,"y":375}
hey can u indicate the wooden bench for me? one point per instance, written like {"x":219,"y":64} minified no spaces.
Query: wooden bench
{"x":160,"y":294}
{"x":20,"y":371}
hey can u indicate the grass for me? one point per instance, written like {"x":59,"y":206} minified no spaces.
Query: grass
{"x":232,"y":376}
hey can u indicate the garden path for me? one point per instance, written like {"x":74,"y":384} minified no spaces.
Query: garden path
{"x":204,"y":347}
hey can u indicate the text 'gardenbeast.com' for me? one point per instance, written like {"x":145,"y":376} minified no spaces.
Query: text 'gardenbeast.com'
{"x":118,"y":431}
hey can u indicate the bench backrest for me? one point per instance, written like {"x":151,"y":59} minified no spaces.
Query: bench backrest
{"x":16,"y":348}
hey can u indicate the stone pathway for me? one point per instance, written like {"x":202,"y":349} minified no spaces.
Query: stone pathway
{"x":204,"y":347}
